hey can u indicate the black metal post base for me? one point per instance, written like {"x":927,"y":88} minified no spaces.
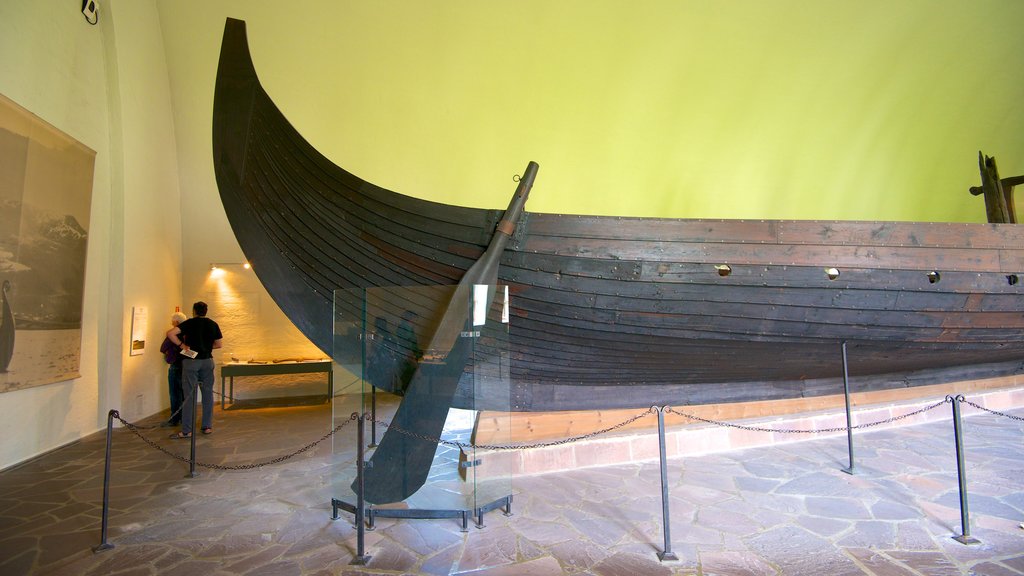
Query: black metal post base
{"x":102,"y":547}
{"x":966,"y":539}
{"x":668,"y":557}
{"x":360,"y":560}
{"x":849,"y":471}
{"x":462,"y":514}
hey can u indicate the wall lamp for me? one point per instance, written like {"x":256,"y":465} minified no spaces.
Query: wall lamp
{"x":218,"y":265}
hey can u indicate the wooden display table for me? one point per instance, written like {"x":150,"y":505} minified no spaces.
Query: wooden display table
{"x":229,"y":371}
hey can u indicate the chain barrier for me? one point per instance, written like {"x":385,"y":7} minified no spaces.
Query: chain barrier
{"x":990,"y":411}
{"x":818,"y":431}
{"x":460,"y":445}
{"x":161,"y":425}
{"x":652,"y":410}
{"x":227,"y":397}
{"x":550,"y":443}
{"x":135,"y":430}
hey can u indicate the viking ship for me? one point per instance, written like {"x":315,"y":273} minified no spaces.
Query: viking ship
{"x":610,"y":312}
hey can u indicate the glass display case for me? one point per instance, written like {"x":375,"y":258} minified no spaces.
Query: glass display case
{"x":422,"y":364}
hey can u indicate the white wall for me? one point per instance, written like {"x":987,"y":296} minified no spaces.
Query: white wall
{"x":142,"y":130}
{"x":105,"y":86}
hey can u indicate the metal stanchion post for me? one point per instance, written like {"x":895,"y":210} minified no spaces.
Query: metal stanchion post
{"x":667,"y":554}
{"x":192,"y":440}
{"x":373,"y":417}
{"x":361,"y":558}
{"x":104,"y":545}
{"x":849,"y":416}
{"x":965,"y":524}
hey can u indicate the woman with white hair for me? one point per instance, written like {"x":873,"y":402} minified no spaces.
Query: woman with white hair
{"x":172,"y":355}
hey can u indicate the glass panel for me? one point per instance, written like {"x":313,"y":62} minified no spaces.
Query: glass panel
{"x":429,"y":360}
{"x":492,"y":473}
{"x":348,"y":387}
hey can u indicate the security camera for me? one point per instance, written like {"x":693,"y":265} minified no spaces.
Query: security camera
{"x":91,"y":11}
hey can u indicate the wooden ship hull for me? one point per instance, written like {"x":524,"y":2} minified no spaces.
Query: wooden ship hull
{"x":613,"y":312}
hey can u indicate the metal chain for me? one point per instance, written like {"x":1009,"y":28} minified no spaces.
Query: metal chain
{"x":1010,"y":416}
{"x":141,"y":427}
{"x":460,"y":445}
{"x":135,"y":430}
{"x":797,"y":431}
{"x":227,"y":397}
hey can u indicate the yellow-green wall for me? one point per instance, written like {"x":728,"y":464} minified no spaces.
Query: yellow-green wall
{"x":831,"y":109}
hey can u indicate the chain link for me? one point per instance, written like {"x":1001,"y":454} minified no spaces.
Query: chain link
{"x":461,"y":445}
{"x":1010,"y":416}
{"x":141,"y":427}
{"x":547,"y":444}
{"x":799,"y":431}
{"x":135,"y":430}
{"x":652,"y":410}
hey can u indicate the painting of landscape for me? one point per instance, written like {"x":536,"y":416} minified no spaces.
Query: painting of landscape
{"x":45,"y":197}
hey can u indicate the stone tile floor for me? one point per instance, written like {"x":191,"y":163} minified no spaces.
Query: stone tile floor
{"x":786,"y":509}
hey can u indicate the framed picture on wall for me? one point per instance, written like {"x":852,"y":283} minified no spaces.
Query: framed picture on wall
{"x":139,"y":326}
{"x":45,"y":198}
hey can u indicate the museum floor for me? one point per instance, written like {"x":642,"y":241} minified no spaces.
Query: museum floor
{"x":785,"y":509}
